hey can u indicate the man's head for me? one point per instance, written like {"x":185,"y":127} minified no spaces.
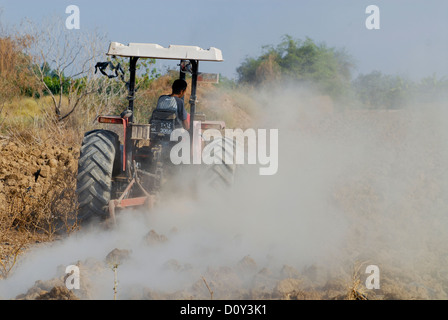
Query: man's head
{"x":179,"y":87}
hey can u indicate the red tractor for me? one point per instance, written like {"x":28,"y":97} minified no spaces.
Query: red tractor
{"x":114,"y":174}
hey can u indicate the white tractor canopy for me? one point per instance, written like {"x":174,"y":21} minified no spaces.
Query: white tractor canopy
{"x":173,"y":52}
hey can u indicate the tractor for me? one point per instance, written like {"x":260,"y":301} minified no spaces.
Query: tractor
{"x":116,"y":173}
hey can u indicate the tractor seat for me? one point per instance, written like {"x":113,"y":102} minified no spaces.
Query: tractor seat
{"x":163,"y":123}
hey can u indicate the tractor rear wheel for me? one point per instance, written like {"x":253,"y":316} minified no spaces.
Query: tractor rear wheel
{"x":97,"y":164}
{"x":221,"y":175}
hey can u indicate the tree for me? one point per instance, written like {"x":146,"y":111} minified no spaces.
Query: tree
{"x":302,"y":61}
{"x":15,"y":79}
{"x":63,"y":63}
{"x":431,"y":88}
{"x":378,"y":90}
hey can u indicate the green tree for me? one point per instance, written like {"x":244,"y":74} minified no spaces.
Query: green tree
{"x":303,"y":61}
{"x":377,"y":90}
{"x":430,"y":88}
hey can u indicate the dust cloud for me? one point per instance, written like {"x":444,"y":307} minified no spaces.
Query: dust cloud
{"x":353,"y":187}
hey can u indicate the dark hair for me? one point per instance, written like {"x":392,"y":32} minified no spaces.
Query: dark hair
{"x":179,"y":85}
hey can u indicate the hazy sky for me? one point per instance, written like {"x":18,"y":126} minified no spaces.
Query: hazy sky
{"x":412,"y":40}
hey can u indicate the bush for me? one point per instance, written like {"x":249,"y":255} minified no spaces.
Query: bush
{"x":302,"y":61}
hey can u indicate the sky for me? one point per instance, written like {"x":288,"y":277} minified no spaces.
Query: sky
{"x":412,"y":40}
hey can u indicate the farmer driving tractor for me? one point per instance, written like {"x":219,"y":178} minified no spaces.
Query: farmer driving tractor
{"x":174,"y":103}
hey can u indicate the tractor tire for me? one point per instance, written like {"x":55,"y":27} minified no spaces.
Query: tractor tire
{"x":97,"y":163}
{"x":221,"y":175}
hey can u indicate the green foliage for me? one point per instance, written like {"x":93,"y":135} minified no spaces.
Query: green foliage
{"x":226,"y":83}
{"x":430,"y":88}
{"x":146,"y":73}
{"x":377,"y":90}
{"x":53,"y":83}
{"x":303,"y":61}
{"x":247,"y":72}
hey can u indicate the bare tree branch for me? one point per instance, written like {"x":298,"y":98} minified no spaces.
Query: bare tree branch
{"x":71,"y":57}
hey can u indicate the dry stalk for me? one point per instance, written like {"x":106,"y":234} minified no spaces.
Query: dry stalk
{"x":114,"y":269}
{"x":356,"y":291}
{"x":209,"y":290}
{"x":8,"y":265}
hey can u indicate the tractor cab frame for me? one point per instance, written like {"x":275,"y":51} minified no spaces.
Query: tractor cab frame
{"x":189,"y":57}
{"x":121,"y":183}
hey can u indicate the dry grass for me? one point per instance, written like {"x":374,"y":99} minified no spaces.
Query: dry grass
{"x":46,"y":213}
{"x":34,"y":211}
{"x":15,"y":76}
{"x":357,"y":290}
{"x":30,"y":218}
{"x":9,"y":259}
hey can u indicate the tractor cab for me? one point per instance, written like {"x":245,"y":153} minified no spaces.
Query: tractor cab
{"x":163,"y":123}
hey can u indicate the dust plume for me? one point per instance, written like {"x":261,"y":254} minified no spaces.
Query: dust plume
{"x":352,"y":187}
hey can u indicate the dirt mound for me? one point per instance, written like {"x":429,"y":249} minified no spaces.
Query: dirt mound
{"x":244,"y":279}
{"x":153,"y":238}
{"x":54,"y":289}
{"x":58,"y":293}
{"x":36,"y":195}
{"x":117,"y":256}
{"x":32,"y":167}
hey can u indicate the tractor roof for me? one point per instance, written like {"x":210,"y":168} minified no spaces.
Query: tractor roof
{"x":155,"y":51}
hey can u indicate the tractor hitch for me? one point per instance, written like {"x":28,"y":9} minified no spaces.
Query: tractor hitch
{"x":122,"y":202}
